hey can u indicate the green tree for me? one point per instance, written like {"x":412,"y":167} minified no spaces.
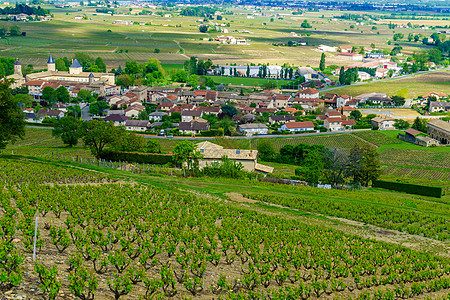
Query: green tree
{"x":152,"y":146}
{"x":401,"y":124}
{"x":203,"y":28}
{"x":62,"y":94}
{"x":266,"y":150}
{"x":315,"y":166}
{"x":371,"y":169}
{"x":60,"y":65}
{"x":420,"y":125}
{"x":68,"y":129}
{"x":435,"y":55}
{"x":356,"y":115}
{"x":85,"y":60}
{"x":130,"y":142}
{"x":124,"y":80}
{"x":12,"y":125}
{"x":322,"y":62}
{"x":186,"y":152}
{"x":49,"y":94}
{"x":132,"y":68}
{"x":398,"y":100}
{"x":3,"y":30}
{"x":100,"y":64}
{"x":15,"y":30}
{"x":180,"y":76}
{"x":193,"y":80}
{"x":98,"y":134}
{"x":84,"y":95}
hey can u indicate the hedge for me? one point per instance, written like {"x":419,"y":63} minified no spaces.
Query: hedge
{"x":432,"y":191}
{"x":137,"y":157}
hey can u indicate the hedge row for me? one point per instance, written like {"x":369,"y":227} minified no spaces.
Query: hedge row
{"x":423,"y":190}
{"x":147,"y":158}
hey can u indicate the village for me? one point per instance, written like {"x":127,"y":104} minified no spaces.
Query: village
{"x":184,"y":111}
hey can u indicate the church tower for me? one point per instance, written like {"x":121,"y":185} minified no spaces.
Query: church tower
{"x":18,"y":68}
{"x":51,"y":65}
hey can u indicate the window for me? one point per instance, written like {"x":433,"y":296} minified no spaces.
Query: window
{"x":238,"y":151}
{"x":202,"y":150}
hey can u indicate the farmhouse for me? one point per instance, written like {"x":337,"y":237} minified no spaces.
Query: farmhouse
{"x":308,"y":93}
{"x":137,"y":125}
{"x":213,"y":153}
{"x":439,"y":130}
{"x":297,"y":126}
{"x":281,"y":119}
{"x":117,"y":119}
{"x":437,"y":106}
{"x":350,"y":56}
{"x":383,"y":122}
{"x":193,"y":127}
{"x":419,"y":138}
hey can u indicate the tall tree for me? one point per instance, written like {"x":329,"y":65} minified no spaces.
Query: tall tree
{"x":186,"y":152}
{"x":98,"y":134}
{"x":420,"y":125}
{"x":68,"y":128}
{"x":100,"y":64}
{"x":12,"y":125}
{"x":62,"y":94}
{"x":322,"y":62}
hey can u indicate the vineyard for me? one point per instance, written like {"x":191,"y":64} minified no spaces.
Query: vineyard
{"x":415,"y":158}
{"x":119,"y":240}
{"x":376,"y":137}
{"x":345,"y":141}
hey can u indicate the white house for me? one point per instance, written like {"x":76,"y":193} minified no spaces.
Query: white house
{"x":253,"y":128}
{"x":137,"y":125}
{"x":157,"y":115}
{"x":309,"y":93}
{"x":325,"y":48}
{"x":363,"y":76}
{"x":297,"y":126}
{"x":383,"y":122}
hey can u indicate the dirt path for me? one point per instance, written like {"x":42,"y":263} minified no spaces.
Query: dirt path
{"x":367,"y":231}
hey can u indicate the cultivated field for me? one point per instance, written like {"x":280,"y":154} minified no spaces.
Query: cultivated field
{"x":412,"y":87}
{"x":178,"y":37}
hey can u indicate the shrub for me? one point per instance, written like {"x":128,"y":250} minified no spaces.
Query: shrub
{"x":147,"y":158}
{"x":409,"y":188}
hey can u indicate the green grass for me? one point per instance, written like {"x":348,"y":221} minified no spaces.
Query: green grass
{"x":247,"y":81}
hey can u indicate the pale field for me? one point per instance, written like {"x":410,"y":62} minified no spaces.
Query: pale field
{"x":416,"y":22}
{"x":393,"y":112}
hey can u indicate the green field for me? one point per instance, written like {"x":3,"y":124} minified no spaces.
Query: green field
{"x":248,"y":81}
{"x":407,"y":87}
{"x":169,"y":237}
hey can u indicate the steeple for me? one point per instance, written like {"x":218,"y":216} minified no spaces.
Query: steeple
{"x":51,"y":65}
{"x":18,"y":68}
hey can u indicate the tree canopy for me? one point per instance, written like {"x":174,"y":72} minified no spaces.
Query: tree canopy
{"x":12,"y":125}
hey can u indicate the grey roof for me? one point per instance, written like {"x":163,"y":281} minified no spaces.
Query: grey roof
{"x":137,"y":123}
{"x":192,"y":113}
{"x":50,"y":60}
{"x":158,"y":113}
{"x":17,"y":63}
{"x":193,"y":126}
{"x":253,"y":126}
{"x":76,"y":64}
{"x":116,"y":118}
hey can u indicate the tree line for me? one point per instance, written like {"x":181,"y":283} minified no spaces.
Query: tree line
{"x":318,"y":164}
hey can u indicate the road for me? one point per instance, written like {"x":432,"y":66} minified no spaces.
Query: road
{"x":256,"y":136}
{"x":384,"y":80}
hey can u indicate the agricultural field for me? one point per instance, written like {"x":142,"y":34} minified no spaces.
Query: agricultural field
{"x":40,"y":142}
{"x":178,"y":37}
{"x":411,"y":87}
{"x":177,"y":238}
